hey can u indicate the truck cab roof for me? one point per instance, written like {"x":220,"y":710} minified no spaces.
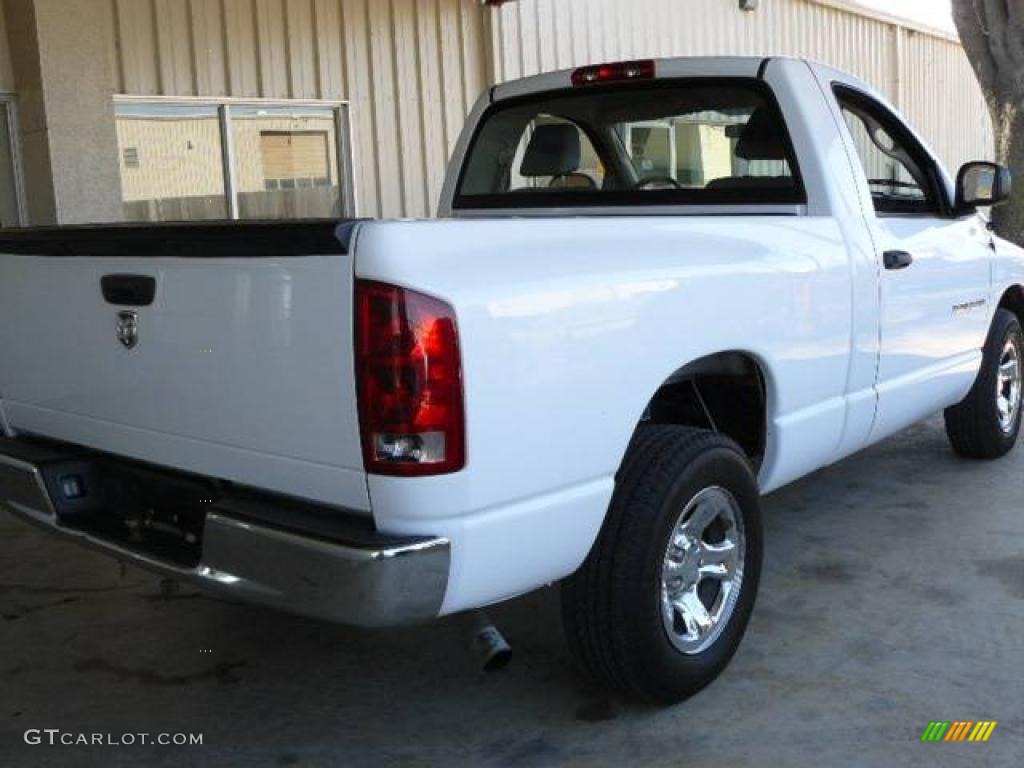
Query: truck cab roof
{"x":669,"y":68}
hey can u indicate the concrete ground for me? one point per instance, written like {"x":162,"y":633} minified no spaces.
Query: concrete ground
{"x":893,"y":595}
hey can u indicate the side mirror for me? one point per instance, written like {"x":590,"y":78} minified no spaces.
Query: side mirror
{"x":982,"y":184}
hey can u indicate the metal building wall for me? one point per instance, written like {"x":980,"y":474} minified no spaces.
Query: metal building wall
{"x":941,"y":95}
{"x":411,"y":70}
{"x":925,"y":73}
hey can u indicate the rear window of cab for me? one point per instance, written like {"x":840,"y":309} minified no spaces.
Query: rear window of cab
{"x":679,"y":142}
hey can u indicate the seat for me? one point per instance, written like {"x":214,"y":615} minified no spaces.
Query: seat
{"x":761,"y":139}
{"x":554,"y":150}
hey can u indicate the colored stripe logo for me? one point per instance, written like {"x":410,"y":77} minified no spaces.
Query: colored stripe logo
{"x":959,"y":730}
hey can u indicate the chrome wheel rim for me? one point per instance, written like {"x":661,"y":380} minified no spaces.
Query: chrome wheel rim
{"x":702,"y":571}
{"x":1008,"y":386}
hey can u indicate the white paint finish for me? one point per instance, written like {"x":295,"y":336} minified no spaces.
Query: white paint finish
{"x":831,"y":173}
{"x":928,"y":347}
{"x":567,"y":330}
{"x":920,"y":328}
{"x":277,"y":385}
{"x":569,"y":317}
{"x":923,"y":391}
{"x":568,"y":326}
{"x":503,"y":552}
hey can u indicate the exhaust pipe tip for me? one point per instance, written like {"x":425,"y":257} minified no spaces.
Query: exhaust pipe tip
{"x":487,"y":644}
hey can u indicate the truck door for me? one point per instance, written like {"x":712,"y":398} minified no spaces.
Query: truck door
{"x":934,"y":269}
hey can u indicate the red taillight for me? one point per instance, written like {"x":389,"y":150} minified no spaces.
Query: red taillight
{"x":409,"y":380}
{"x":615,"y":72}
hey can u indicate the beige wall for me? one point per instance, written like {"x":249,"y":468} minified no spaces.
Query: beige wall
{"x":178,"y":158}
{"x":410,"y":69}
{"x":6,"y":71}
{"x":933,"y":83}
{"x":61,"y":69}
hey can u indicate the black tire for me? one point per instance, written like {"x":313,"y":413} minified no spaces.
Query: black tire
{"x":612,"y":607}
{"x":973,"y":426}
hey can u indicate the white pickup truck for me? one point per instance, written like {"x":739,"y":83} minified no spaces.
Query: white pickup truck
{"x":656,"y":290}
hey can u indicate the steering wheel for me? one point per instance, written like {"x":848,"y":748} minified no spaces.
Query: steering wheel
{"x":665,"y":181}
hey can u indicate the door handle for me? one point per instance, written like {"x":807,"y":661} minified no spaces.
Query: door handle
{"x":128,"y":290}
{"x":897,"y":260}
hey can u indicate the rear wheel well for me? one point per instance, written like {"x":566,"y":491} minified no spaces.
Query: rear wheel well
{"x":1013,"y":300}
{"x":725,"y":393}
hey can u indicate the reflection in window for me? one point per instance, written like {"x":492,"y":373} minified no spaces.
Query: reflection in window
{"x":887,"y":165}
{"x":172,"y":162}
{"x":287,"y":162}
{"x":284,"y":161}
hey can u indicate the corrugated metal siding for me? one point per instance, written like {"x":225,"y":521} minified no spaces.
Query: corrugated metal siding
{"x":942,"y":98}
{"x":539,"y":35}
{"x":410,"y":70}
{"x":933,"y":85}
{"x":6,"y":71}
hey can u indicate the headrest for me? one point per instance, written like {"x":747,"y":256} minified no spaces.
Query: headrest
{"x":762,"y":138}
{"x":554,"y":150}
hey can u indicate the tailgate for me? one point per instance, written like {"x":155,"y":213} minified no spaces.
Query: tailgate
{"x":240,"y":367}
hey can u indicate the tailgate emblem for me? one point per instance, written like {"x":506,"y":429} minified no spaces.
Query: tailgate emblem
{"x":128,"y":329}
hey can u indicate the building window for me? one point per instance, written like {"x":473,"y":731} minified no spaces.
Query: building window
{"x":288,"y":162}
{"x":182,"y":178}
{"x":131,"y":157}
{"x":11,"y":200}
{"x":199,"y":160}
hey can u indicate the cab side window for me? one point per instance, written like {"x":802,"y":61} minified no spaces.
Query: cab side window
{"x":899,"y":171}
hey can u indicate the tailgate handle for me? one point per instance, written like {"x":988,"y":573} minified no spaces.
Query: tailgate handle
{"x":129,"y":290}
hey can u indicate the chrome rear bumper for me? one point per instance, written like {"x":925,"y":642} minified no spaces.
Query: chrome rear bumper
{"x":366,"y":579}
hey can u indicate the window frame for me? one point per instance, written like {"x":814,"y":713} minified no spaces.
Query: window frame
{"x":629,"y":201}
{"x":9,"y":109}
{"x":345,"y":148}
{"x":900,"y":131}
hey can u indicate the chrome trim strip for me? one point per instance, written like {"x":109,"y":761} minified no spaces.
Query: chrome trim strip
{"x":22,"y":484}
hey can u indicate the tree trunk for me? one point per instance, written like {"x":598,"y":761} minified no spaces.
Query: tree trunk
{"x":992,"y":33}
{"x":1009,"y":131}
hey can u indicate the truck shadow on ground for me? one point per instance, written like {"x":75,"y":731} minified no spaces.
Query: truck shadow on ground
{"x":870,"y":580}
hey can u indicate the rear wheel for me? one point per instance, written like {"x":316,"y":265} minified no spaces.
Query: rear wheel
{"x":662,"y":601}
{"x":987,"y":423}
